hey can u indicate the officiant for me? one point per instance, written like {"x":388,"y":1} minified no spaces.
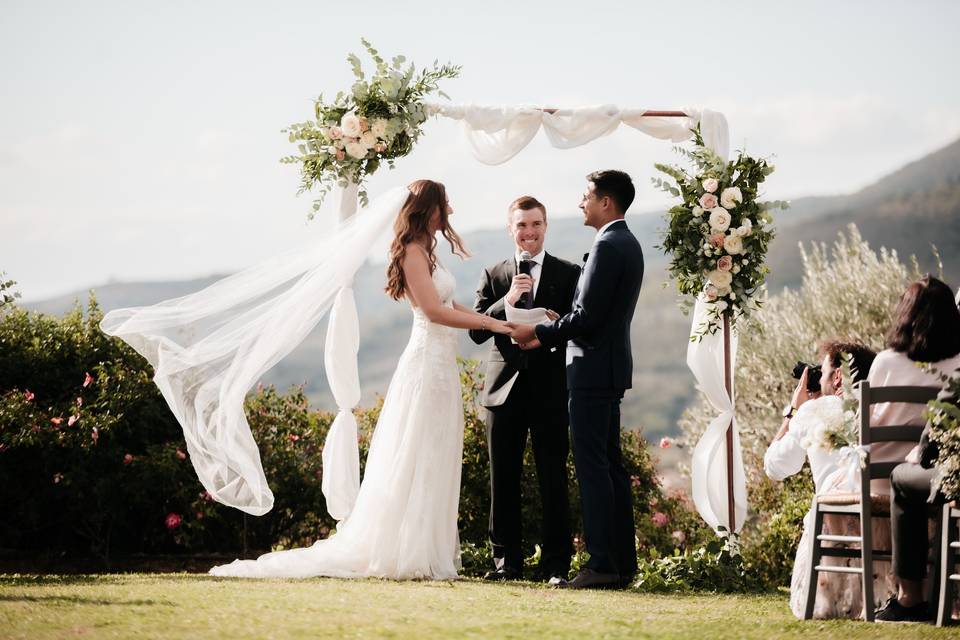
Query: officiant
{"x":526,"y":393}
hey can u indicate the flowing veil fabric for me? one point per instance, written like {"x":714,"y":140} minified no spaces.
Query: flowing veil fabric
{"x":209,"y":348}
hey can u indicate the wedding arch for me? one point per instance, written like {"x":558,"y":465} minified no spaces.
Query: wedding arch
{"x":496,"y":134}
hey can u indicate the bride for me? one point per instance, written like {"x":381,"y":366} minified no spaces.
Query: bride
{"x":403,"y":524}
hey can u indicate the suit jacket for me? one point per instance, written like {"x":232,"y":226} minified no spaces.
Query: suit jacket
{"x":555,"y":288}
{"x":598,"y":326}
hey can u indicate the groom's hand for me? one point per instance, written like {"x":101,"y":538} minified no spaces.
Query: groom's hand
{"x":522,"y":283}
{"x":533,"y":344}
{"x":523,"y":333}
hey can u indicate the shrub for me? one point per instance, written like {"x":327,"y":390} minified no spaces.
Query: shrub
{"x":92,"y":461}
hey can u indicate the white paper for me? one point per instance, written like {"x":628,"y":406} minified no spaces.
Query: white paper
{"x":525,"y":316}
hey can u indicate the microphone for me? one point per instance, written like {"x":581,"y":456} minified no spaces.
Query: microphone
{"x":524,"y":268}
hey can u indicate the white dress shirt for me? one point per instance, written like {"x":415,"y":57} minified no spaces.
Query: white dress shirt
{"x":785,"y":457}
{"x":604,"y":227}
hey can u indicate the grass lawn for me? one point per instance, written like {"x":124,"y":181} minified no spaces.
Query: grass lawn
{"x":195,"y":606}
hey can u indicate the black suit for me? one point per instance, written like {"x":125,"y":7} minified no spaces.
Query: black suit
{"x":536,"y":402}
{"x":599,"y":370}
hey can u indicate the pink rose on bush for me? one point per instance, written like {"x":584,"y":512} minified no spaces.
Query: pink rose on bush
{"x":95,"y":435}
{"x":181,"y":455}
{"x":708,"y":201}
{"x":666,"y":443}
{"x":659,"y":519}
{"x":87,"y":379}
{"x":679,"y":536}
{"x":72,"y":420}
{"x":28,"y":395}
{"x":294,"y":437}
{"x":127,"y":459}
{"x":725,"y":263}
{"x":173,"y":520}
{"x":56,"y":421}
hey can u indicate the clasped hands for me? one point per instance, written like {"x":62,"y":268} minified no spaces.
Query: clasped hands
{"x":525,"y":334}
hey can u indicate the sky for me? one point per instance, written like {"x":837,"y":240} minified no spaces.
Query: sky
{"x":141,"y":140}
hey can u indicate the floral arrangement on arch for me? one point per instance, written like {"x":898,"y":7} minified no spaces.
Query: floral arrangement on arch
{"x":377,"y":121}
{"x":719,"y":234}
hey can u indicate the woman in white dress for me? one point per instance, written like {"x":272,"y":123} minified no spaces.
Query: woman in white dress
{"x":838,"y":594}
{"x":404,"y":522}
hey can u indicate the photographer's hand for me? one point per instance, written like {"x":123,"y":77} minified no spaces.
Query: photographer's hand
{"x":801,"y":394}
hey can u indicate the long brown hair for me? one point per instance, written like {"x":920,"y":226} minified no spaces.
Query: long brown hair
{"x":413,"y":225}
{"x":926,"y":325}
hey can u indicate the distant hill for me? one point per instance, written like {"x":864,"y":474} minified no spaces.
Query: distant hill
{"x":906,"y":210}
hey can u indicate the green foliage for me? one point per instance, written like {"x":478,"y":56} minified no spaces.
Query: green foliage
{"x":849,"y":292}
{"x":7,"y":295}
{"x":711,"y":567}
{"x":93,"y":462}
{"x":717,"y":237}
{"x":944,"y":416}
{"x":378,"y":120}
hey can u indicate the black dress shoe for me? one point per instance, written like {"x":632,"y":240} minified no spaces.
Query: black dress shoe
{"x":893,"y":611}
{"x":627,"y":581}
{"x":503,"y":574}
{"x":590,"y":579}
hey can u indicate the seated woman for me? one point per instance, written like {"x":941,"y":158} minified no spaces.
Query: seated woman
{"x":838,"y":595}
{"x":926,"y":328}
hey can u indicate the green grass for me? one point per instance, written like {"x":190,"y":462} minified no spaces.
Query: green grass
{"x":190,"y":606}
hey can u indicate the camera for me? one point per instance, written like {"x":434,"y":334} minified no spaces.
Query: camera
{"x":813,"y":376}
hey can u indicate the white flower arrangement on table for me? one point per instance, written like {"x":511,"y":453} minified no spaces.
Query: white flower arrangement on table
{"x":719,"y":234}
{"x":378,"y":121}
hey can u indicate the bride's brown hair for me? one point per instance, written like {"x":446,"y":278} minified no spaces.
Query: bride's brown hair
{"x":413,"y":225}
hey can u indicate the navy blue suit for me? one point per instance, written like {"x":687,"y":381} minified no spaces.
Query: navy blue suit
{"x":599,"y":370}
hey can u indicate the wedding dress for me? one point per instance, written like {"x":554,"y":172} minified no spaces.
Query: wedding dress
{"x":404,"y":522}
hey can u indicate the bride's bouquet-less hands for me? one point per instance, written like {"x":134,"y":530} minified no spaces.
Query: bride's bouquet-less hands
{"x":719,"y":234}
{"x":377,"y":121}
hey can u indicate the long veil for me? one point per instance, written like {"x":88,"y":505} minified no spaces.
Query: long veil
{"x":209,"y":348}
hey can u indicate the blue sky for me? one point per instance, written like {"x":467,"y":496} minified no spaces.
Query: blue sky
{"x":142,"y":140}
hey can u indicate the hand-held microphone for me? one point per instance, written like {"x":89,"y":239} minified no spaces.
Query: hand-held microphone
{"x":524,"y":268}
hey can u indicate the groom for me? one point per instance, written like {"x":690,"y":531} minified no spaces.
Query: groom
{"x":526,"y":392}
{"x":599,"y":370}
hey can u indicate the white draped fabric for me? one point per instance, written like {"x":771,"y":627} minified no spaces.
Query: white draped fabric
{"x":709,"y":468}
{"x":210,"y":347}
{"x":496,"y":134}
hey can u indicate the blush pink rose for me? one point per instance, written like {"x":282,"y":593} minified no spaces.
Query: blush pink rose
{"x":708,"y":201}
{"x":181,"y":455}
{"x":173,"y":520}
{"x":28,"y":395}
{"x":725,"y":263}
{"x":336,"y":133}
{"x":710,"y":185}
{"x":87,"y":379}
{"x":660,"y":519}
{"x":666,"y":443}
{"x":716,"y":240}
{"x":341,"y":155}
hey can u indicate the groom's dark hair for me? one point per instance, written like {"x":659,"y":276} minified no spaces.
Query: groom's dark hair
{"x":616,"y":185}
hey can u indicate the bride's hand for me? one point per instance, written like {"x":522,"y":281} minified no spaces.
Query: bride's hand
{"x":502,"y":327}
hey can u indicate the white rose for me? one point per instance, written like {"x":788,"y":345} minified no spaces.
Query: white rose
{"x":356,"y":149}
{"x":720,"y":279}
{"x":721,"y":305}
{"x":730,"y":197}
{"x":350,"y":124}
{"x":710,"y":185}
{"x":719,"y":219}
{"x":697,"y":211}
{"x":368,"y":139}
{"x":733,"y":244}
{"x":379,"y":128}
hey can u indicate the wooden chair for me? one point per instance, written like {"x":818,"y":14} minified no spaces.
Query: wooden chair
{"x":949,"y":545}
{"x":861,"y":504}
